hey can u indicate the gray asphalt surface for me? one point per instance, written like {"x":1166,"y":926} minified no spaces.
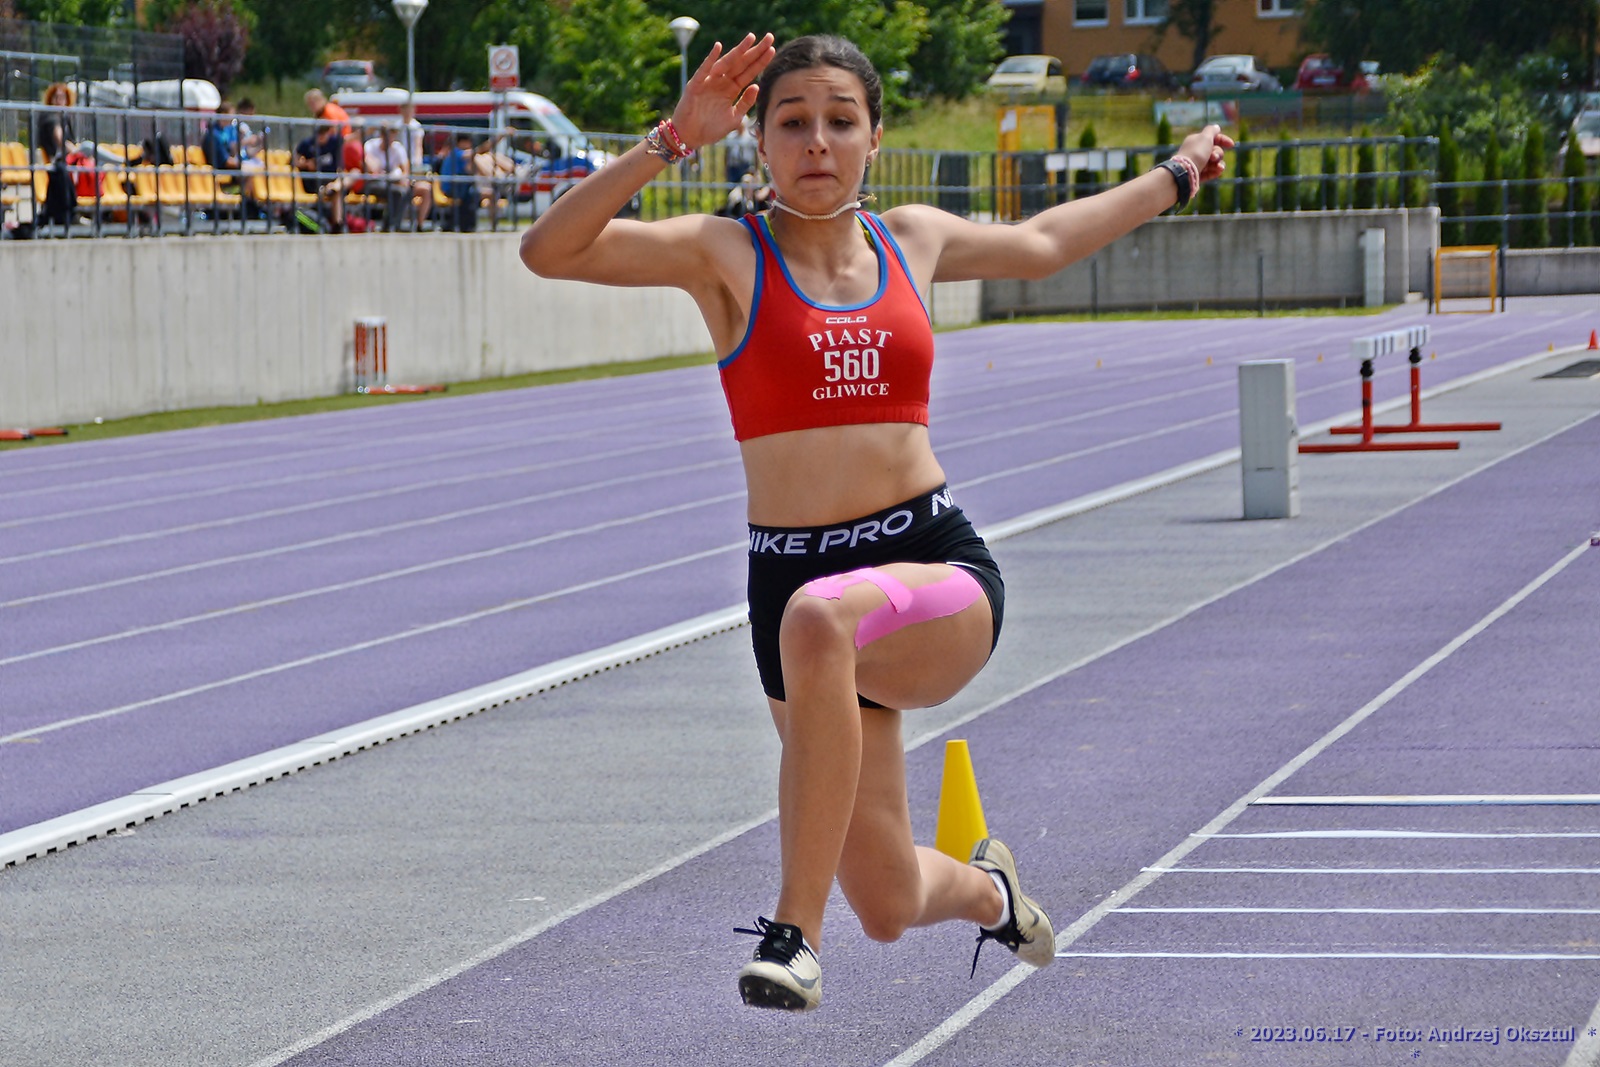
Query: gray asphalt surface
{"x":556,"y":882}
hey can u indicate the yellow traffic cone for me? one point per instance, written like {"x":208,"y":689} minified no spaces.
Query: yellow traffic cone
{"x":961,"y":822}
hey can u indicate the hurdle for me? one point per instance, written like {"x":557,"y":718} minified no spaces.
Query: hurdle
{"x":29,"y":435}
{"x":1416,"y":425}
{"x":1367,"y":349}
{"x":371,"y":357}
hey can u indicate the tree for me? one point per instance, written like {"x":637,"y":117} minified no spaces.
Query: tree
{"x":1533,"y":231}
{"x":1412,"y":192}
{"x":963,"y":39}
{"x":1245,"y":195}
{"x":70,"y":12}
{"x":1453,"y":232}
{"x":1084,"y":182}
{"x":216,"y":37}
{"x":1366,"y":190}
{"x":1195,"y":20}
{"x":1402,"y":34}
{"x":1486,"y":230}
{"x":287,"y":37}
{"x":604,"y":76}
{"x":1580,"y":230}
{"x":1329,"y":191}
{"x":1286,"y":187}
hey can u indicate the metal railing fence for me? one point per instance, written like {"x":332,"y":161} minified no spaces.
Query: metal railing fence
{"x":150,"y":175}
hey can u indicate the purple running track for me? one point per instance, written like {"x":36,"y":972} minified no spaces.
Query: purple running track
{"x":179,"y":601}
{"x":1145,"y":747}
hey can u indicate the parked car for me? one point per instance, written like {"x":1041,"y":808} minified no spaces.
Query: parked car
{"x":1233,"y":74}
{"x":1029,"y":74}
{"x":1585,"y":133}
{"x":357,"y":74}
{"x":1321,"y":73}
{"x":1129,"y":70}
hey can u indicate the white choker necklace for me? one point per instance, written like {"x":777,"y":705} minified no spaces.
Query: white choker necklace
{"x":835,"y":213}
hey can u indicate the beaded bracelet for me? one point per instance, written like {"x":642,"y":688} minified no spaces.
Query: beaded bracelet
{"x":1185,"y":173}
{"x":663,"y":142}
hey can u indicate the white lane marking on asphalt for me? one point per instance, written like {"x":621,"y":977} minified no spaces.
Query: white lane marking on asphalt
{"x":1491,"y":834}
{"x":1373,"y":870}
{"x":1244,"y":910}
{"x":347,"y":499}
{"x":330,"y":428}
{"x":346,"y":472}
{"x":374,"y":643}
{"x":399,"y":572}
{"x":371,"y":531}
{"x":1433,"y":800}
{"x":1586,"y":1050}
{"x":1531,"y":956}
{"x":958,"y":1021}
{"x":423,"y":985}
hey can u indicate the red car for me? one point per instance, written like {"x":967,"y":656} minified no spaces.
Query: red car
{"x":1321,"y":73}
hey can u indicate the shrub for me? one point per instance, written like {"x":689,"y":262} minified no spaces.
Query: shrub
{"x":1366,"y":190}
{"x":1485,"y":230}
{"x":1453,"y":231}
{"x":1245,"y":192}
{"x":1533,"y":232}
{"x":1576,"y":195}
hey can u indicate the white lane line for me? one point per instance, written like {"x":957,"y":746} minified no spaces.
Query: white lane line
{"x":405,"y":462}
{"x":400,"y":572}
{"x":423,"y":985}
{"x":1219,"y":910}
{"x":1431,"y":800}
{"x":346,"y":499}
{"x":365,"y":532}
{"x":321,"y":450}
{"x":163,"y":799}
{"x":376,"y":642}
{"x":1586,"y":1050}
{"x":964,"y":1017}
{"x":331,"y":428}
{"x":1373,"y":870}
{"x":1497,"y":835}
{"x":1509,"y":956}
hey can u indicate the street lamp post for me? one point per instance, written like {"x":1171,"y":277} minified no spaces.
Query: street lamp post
{"x":683,"y":28}
{"x":409,"y":11}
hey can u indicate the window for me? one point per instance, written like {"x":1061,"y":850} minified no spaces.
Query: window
{"x":1277,"y":9}
{"x":1136,"y":12}
{"x":1091,"y":12}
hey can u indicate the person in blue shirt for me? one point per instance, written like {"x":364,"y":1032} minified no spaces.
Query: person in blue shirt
{"x":458,"y":183}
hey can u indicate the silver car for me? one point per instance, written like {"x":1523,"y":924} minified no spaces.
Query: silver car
{"x":1232,"y":74}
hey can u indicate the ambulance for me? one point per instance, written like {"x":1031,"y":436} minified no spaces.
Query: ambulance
{"x":548,"y":151}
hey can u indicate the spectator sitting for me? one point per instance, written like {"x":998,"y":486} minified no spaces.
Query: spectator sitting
{"x":492,"y":168}
{"x":251,"y":143}
{"x":221,"y":143}
{"x":740,"y":151}
{"x":385,"y":159}
{"x":318,"y":157}
{"x":457,"y":168}
{"x":412,"y":137}
{"x":326,"y":110}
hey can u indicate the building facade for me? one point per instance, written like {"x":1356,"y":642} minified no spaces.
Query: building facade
{"x":1075,"y":31}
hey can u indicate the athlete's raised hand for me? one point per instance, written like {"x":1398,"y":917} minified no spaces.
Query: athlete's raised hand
{"x":721,"y":90}
{"x":1205,"y":148}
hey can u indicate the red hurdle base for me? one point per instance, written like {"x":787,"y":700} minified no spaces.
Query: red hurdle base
{"x":28,"y":435}
{"x":1416,"y":425}
{"x":1366,"y":429}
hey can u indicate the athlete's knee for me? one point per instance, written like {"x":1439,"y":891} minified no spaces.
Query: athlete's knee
{"x":813,"y":625}
{"x":887,"y":920}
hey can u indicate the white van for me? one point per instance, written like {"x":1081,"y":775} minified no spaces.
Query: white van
{"x":542,"y":175}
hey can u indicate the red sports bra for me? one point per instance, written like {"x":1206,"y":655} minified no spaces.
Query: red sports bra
{"x":801,"y":365}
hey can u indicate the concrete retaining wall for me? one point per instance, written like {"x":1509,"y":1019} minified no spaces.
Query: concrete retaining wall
{"x":1552,"y":271}
{"x":1282,"y":258}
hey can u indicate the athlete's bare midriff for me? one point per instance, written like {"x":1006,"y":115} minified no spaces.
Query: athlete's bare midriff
{"x":832,"y":473}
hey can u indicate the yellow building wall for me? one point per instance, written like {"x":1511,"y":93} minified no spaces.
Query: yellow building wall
{"x":1273,"y":40}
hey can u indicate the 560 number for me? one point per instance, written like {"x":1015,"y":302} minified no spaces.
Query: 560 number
{"x":850,"y":364}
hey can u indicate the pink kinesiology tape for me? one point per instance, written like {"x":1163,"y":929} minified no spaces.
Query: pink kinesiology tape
{"x":906,"y":606}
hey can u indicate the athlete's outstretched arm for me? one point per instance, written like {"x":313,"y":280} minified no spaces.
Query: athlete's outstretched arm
{"x":579,"y":235}
{"x":1053,"y":239}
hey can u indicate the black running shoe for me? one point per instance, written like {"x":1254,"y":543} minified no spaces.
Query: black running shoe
{"x":784,"y":973}
{"x":1028,"y":933}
